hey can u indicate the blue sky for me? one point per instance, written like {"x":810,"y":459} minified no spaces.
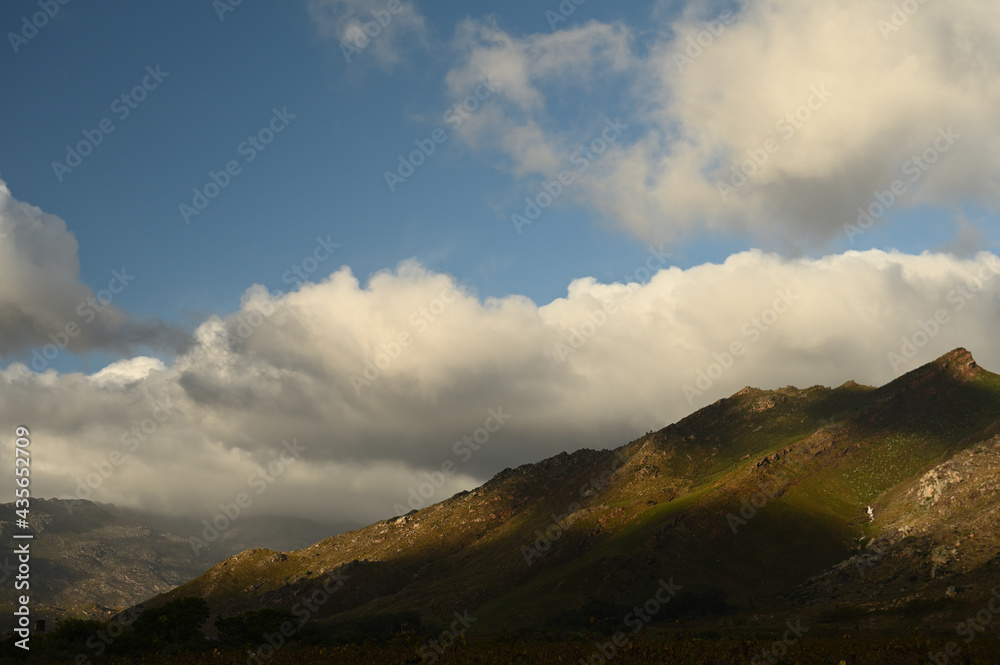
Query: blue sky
{"x":686,"y":125}
{"x":321,"y":177}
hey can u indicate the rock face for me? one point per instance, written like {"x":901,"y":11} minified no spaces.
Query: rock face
{"x":88,"y":559}
{"x":937,"y":538}
{"x":962,"y":362}
{"x":934,"y":483}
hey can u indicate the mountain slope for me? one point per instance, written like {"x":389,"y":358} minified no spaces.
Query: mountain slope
{"x":753,"y":504}
{"x":95,"y":559}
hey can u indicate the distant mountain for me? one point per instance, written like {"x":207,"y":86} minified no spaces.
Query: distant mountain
{"x":95,"y":559}
{"x":874,"y":507}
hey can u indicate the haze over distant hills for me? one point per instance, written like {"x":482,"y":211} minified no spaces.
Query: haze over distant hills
{"x":93,"y":559}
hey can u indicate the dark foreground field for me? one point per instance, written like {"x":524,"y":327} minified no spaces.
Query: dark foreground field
{"x":679,"y":651}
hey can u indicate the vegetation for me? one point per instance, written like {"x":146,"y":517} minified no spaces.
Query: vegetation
{"x":248,"y":629}
{"x":680,"y":649}
{"x":174,"y":628}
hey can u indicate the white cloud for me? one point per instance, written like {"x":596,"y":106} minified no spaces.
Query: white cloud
{"x":528,"y":70}
{"x":42,"y":301}
{"x":226,"y":405}
{"x":124,"y":372}
{"x":697,"y":110}
{"x":369,"y":28}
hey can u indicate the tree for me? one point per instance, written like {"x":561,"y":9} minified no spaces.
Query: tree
{"x":250,"y":628}
{"x":174,"y":626}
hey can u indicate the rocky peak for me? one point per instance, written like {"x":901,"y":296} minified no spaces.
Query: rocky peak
{"x":959,"y":361}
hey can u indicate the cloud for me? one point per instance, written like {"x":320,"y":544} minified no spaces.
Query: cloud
{"x":382,"y":30}
{"x":380,"y":382}
{"x":803,"y":110}
{"x":968,"y":239}
{"x":126,"y":372}
{"x":528,"y":70}
{"x":42,"y":301}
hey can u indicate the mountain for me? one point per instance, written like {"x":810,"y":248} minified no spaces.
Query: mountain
{"x":874,"y":507}
{"x":95,"y":559}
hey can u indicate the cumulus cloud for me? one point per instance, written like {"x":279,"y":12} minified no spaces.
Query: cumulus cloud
{"x":42,"y":301}
{"x":126,"y":372}
{"x":381,"y":383}
{"x":529,"y":71}
{"x":370,"y":27}
{"x":802,"y":110}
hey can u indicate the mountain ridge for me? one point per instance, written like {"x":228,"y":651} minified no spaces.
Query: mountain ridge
{"x":601,"y":535}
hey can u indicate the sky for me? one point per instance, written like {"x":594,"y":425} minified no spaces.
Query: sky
{"x":375,"y":251}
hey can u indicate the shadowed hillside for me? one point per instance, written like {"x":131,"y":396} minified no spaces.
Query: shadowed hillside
{"x":757,"y":506}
